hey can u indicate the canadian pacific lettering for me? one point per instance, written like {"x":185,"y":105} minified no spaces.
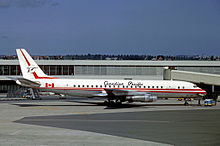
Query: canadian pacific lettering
{"x":130,"y":83}
{"x":113,"y":83}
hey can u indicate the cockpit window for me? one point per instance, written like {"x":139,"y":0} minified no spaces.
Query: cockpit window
{"x":194,"y":86}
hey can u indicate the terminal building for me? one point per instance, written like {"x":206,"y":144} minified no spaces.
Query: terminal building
{"x":203,"y":73}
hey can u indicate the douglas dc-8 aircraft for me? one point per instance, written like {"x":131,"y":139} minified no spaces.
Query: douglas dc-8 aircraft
{"x":113,"y":90}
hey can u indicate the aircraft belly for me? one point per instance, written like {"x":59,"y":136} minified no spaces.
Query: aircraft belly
{"x":84,"y":93}
{"x":175,"y":95}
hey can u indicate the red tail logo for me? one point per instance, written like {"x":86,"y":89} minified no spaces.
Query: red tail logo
{"x":49,"y":85}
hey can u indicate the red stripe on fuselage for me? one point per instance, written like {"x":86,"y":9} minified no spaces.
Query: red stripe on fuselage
{"x":189,"y":91}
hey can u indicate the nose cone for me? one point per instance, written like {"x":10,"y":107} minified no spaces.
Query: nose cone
{"x":202,"y":92}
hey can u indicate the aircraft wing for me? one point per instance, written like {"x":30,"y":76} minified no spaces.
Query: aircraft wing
{"x":25,"y":82}
{"x":119,"y":92}
{"x":130,"y":95}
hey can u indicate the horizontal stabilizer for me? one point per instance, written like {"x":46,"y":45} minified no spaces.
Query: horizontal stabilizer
{"x":25,"y":82}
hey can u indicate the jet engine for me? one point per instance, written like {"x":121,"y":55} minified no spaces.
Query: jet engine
{"x":141,"y":98}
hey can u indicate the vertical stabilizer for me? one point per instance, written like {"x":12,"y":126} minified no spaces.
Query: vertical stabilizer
{"x":29,"y":68}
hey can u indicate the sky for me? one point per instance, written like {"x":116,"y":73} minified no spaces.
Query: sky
{"x":148,"y":27}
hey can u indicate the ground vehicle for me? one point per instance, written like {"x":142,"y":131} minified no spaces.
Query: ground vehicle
{"x":209,"y":102}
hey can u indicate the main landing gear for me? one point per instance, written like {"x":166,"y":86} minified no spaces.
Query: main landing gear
{"x":188,"y":99}
{"x":113,"y":102}
{"x":186,"y":103}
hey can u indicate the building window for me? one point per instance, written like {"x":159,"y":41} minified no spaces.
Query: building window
{"x":6,"y":70}
{"x":59,"y":70}
{"x":71,"y":70}
{"x":13,"y":70}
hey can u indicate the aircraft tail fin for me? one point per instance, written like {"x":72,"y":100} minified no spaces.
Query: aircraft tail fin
{"x":29,"y":68}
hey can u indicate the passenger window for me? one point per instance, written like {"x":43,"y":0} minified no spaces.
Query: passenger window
{"x":83,"y":86}
{"x":183,"y":87}
{"x":74,"y":85}
{"x":78,"y":85}
{"x":100,"y":86}
{"x":96,"y":86}
{"x":161,"y":87}
{"x":92,"y":86}
{"x":152,"y":86}
{"x":87,"y":86}
{"x":148,"y":86}
{"x":178,"y":87}
{"x":157,"y":87}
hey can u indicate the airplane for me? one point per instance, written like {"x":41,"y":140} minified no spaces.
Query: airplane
{"x":115,"y":91}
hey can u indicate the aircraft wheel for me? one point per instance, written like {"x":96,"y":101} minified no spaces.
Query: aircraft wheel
{"x":186,"y":103}
{"x":118,"y":102}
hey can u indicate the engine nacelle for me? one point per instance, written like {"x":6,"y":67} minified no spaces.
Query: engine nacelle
{"x":141,"y":98}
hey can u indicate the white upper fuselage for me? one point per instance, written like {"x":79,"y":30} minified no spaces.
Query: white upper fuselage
{"x":160,"y":88}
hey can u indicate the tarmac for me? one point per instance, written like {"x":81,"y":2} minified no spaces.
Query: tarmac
{"x":88,"y":122}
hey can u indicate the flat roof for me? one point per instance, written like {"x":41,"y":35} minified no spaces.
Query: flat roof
{"x":195,"y":77}
{"x":121,"y":63}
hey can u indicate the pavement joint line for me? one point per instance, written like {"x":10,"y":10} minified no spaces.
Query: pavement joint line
{"x":82,"y":113}
{"x":12,"y":99}
{"x":46,"y":108}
